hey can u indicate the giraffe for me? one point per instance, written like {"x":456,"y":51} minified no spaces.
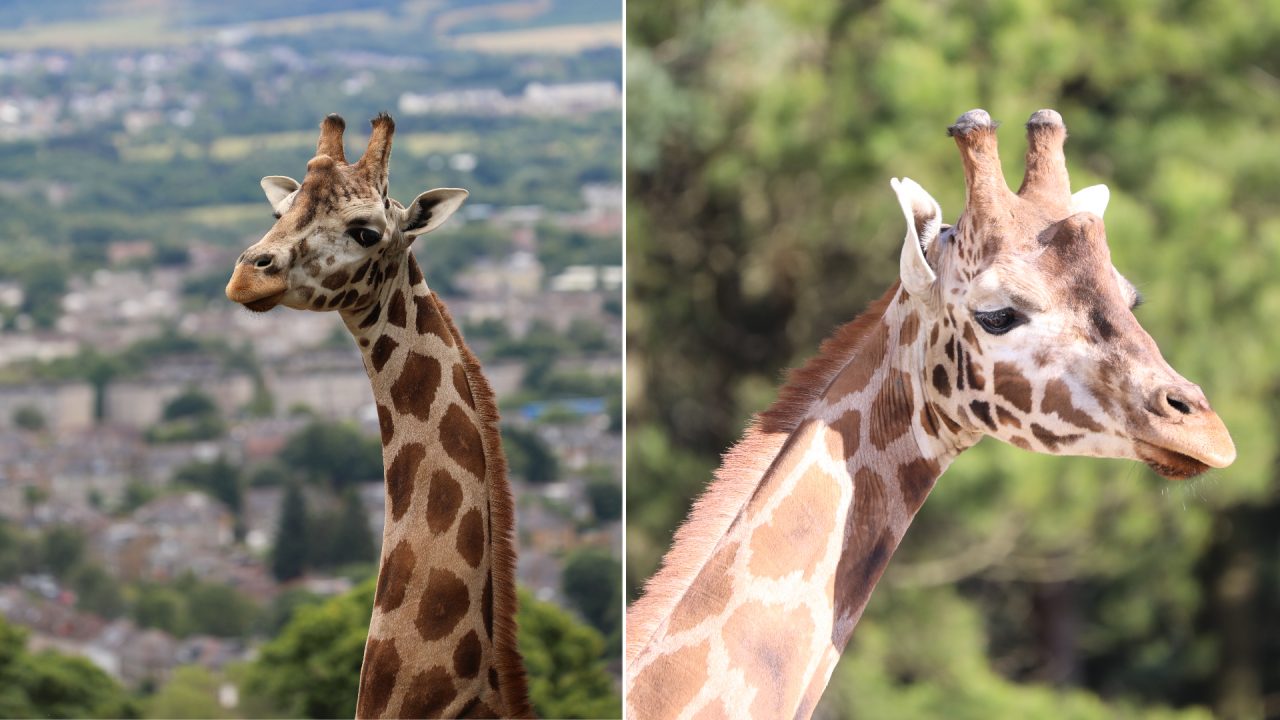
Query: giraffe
{"x":442,"y":635}
{"x":1012,"y":323}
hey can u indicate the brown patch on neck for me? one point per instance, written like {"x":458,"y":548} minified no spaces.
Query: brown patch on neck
{"x":867,"y":548}
{"x":892,"y":411}
{"x":795,"y":536}
{"x":377,"y":676}
{"x":683,"y":673}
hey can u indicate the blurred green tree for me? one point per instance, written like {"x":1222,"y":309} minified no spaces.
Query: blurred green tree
{"x":52,"y":685}
{"x":290,"y":552}
{"x":337,"y":454}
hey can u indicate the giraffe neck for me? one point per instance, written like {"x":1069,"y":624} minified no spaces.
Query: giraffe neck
{"x":835,"y":473}
{"x":442,"y":636}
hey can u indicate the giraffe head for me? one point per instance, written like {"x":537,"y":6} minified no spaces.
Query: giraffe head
{"x":337,"y":236}
{"x":1030,"y":332}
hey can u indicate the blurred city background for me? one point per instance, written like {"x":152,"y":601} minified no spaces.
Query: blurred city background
{"x":761,"y":138}
{"x":191,"y":496}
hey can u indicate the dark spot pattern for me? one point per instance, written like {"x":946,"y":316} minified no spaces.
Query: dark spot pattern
{"x":444,"y":497}
{"x":402,"y":476}
{"x":427,"y":319}
{"x":1049,"y":439}
{"x":463,"y":387}
{"x":910,"y":329}
{"x":413,"y":392}
{"x":336,"y":279}
{"x":982,"y":411}
{"x":890,"y":414}
{"x":1013,"y":386}
{"x":470,"y":541}
{"x":1102,"y":326}
{"x":973,"y":373}
{"x":1057,"y":400}
{"x":941,"y":381}
{"x":429,"y":693}
{"x":466,"y":657}
{"x":1004,"y":417}
{"x":372,"y":317}
{"x":360,"y":271}
{"x":381,"y":353}
{"x":394,"y":577}
{"x":916,"y":478}
{"x":386,"y":425}
{"x":378,"y":676}
{"x":493,"y":678}
{"x":395,"y":310}
{"x":462,"y":442}
{"x":444,"y":603}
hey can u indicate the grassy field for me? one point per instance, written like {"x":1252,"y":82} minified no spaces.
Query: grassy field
{"x":238,"y":147}
{"x":158,"y":30}
{"x":558,"y":40}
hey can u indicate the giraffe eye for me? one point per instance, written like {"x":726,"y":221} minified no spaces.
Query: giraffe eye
{"x":999,"y":322}
{"x":367,"y":237}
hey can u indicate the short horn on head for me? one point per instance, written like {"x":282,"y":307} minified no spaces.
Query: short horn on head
{"x":975,"y":135}
{"x":376,"y":156}
{"x":330,"y":142}
{"x":1046,"y":178}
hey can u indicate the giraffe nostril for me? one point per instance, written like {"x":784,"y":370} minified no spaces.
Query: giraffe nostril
{"x":1174,"y":400}
{"x":263,"y":261}
{"x":1178,"y":405}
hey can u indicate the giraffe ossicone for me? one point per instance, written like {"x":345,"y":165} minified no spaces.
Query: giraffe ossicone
{"x":1013,"y":323}
{"x":442,"y":637}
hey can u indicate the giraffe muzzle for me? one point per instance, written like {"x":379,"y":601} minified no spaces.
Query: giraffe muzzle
{"x":1186,"y":437}
{"x":252,"y":286}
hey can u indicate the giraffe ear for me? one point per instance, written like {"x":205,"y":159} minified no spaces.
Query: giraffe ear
{"x":924,"y":221}
{"x":429,"y":210}
{"x":1092,"y":199}
{"x":279,"y":189}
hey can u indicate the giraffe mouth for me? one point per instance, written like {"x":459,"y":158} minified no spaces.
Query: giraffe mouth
{"x":262,"y":305}
{"x":1170,"y":464}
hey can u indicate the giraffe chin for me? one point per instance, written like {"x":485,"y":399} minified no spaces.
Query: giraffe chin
{"x":262,"y":305}
{"x":1170,"y":464}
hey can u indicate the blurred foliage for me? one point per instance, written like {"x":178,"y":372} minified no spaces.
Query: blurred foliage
{"x":333,"y":453}
{"x":586,"y":571}
{"x":312,"y":668}
{"x":51,"y":685}
{"x":761,"y":138}
{"x":289,"y":552}
{"x":190,"y":692}
{"x":528,"y":455}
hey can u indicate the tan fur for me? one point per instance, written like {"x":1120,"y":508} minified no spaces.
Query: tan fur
{"x":740,"y":472}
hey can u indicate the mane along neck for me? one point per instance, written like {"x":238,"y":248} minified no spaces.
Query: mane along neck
{"x":502,"y":551}
{"x":741,"y":471}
